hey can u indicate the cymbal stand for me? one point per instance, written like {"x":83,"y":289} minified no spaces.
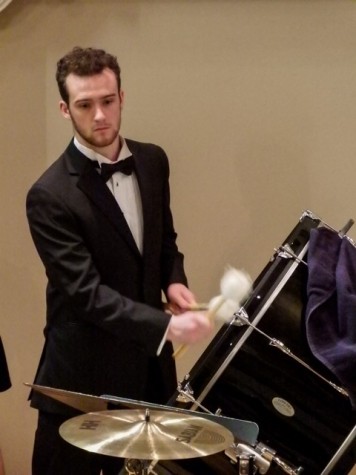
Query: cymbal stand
{"x":258,"y":460}
{"x":245,"y":465}
{"x":138,"y":467}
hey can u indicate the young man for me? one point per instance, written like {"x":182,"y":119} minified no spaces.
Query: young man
{"x":108,"y":244}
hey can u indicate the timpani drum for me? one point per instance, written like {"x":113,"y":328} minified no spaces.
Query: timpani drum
{"x":260,"y":368}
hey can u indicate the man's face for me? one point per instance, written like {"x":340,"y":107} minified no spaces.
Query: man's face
{"x":94,"y":109}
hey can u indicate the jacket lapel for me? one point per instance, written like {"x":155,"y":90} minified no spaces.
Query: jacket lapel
{"x":92,"y":185}
{"x":145,"y":184}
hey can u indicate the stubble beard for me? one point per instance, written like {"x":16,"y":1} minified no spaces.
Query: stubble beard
{"x":98,"y":141}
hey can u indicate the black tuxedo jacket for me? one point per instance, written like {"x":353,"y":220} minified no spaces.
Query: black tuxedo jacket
{"x":5,"y":381}
{"x":104,"y":312}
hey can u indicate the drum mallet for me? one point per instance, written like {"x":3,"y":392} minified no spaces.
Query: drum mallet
{"x":235,"y":285}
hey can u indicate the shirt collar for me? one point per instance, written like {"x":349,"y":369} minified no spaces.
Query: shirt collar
{"x":95,"y":156}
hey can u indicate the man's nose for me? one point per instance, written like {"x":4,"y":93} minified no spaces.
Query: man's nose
{"x":99,"y":114}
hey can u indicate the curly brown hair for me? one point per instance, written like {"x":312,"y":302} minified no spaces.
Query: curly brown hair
{"x":84,"y":62}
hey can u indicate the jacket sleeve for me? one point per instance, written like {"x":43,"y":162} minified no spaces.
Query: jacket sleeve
{"x":172,"y":261}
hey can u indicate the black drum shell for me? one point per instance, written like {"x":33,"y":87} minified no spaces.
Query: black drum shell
{"x":246,"y":377}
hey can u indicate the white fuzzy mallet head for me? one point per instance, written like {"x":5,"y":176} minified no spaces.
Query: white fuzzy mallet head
{"x":235,"y":286}
{"x":224,"y":309}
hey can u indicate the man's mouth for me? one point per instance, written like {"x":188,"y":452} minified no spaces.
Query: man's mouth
{"x":101,"y":128}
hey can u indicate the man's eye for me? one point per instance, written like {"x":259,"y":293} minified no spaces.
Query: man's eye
{"x":83,"y":105}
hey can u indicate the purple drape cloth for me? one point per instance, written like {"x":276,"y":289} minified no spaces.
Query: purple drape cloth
{"x":331,"y":305}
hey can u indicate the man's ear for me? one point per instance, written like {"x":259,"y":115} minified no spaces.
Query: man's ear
{"x":121,"y":96}
{"x":63,"y":107}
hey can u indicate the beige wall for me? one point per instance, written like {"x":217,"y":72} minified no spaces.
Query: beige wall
{"x":254,"y":102}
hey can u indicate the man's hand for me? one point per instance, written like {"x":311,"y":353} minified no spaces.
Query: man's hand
{"x":180,"y":298}
{"x":189,"y":327}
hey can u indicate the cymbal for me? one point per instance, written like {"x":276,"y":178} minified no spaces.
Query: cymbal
{"x":146,"y":434}
{"x":81,"y":402}
{"x":244,"y":431}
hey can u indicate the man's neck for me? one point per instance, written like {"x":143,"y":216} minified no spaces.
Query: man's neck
{"x":94,"y":155}
{"x":111,"y":152}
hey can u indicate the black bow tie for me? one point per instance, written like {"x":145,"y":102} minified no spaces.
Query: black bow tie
{"x":124,"y":166}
